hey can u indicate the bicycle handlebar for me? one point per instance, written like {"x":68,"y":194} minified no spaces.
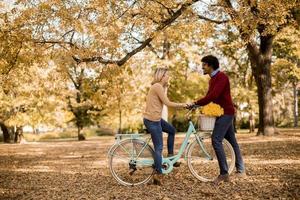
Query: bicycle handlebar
{"x":191,"y":109}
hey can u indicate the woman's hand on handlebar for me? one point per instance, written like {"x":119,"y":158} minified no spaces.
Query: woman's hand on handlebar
{"x":191,"y":106}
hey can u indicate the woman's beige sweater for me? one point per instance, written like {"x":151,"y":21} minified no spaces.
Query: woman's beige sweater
{"x":156,"y":98}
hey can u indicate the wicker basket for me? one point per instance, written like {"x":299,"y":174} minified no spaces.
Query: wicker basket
{"x":206,"y":123}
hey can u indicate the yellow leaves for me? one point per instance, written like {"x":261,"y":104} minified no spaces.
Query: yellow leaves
{"x":19,"y":119}
{"x":68,"y":116}
{"x":28,"y":97}
{"x":285,"y":72}
{"x":45,"y":6}
{"x":213,"y":110}
{"x":267,"y":15}
{"x":99,"y":3}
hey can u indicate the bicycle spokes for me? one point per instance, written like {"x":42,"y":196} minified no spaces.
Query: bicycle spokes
{"x":131,"y":162}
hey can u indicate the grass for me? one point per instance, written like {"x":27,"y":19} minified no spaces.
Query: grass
{"x":70,"y":134}
{"x":30,"y":137}
{"x":95,"y":132}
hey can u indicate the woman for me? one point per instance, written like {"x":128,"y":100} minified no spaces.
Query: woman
{"x":156,"y":98}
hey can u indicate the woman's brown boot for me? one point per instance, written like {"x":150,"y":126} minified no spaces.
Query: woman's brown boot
{"x":158,"y":179}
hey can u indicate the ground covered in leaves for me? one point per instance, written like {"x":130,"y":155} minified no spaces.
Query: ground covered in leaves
{"x":78,"y":170}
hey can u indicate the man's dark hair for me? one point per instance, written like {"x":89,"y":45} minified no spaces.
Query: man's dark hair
{"x":212,"y":61}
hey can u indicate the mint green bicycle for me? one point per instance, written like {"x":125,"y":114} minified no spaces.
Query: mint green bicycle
{"x":131,"y":159}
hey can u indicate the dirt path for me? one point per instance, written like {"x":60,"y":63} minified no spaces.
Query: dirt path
{"x":78,"y":170}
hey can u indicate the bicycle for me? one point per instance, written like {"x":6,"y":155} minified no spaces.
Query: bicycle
{"x":131,"y":160}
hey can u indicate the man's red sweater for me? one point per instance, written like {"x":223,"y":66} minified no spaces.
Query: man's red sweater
{"x":219,"y":93}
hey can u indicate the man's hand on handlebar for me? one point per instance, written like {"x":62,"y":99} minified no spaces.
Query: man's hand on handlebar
{"x":191,"y":106}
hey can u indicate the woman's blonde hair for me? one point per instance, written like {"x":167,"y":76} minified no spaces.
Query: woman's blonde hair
{"x":159,"y":74}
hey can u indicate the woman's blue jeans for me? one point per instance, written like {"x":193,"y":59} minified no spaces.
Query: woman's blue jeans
{"x":156,"y":128}
{"x":224,"y":129}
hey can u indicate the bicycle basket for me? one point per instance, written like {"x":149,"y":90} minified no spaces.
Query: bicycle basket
{"x":206,"y":123}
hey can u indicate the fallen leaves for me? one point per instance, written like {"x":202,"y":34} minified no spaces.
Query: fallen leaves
{"x":78,"y":170}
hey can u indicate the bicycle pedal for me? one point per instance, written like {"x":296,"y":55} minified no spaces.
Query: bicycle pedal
{"x":177,"y":164}
{"x":164,"y":166}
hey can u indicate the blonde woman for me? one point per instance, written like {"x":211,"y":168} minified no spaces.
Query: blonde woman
{"x":153,"y":121}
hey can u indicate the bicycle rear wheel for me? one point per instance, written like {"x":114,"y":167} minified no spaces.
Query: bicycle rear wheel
{"x":202,"y":160}
{"x":131,"y":162}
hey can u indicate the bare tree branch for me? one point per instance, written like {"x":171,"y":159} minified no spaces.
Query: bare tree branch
{"x":122,"y":14}
{"x":170,"y":11}
{"x":149,"y":45}
{"x":72,"y":79}
{"x":52,"y":42}
{"x":72,"y":30}
{"x":213,"y":20}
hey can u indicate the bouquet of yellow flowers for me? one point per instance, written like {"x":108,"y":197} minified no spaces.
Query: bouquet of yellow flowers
{"x":212,"y":110}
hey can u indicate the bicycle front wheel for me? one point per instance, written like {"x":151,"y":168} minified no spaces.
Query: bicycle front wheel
{"x":131,"y":162}
{"x":202,"y":160}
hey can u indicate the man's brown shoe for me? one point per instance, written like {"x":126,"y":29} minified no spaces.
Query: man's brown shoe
{"x":221,"y":178}
{"x":158,"y":179}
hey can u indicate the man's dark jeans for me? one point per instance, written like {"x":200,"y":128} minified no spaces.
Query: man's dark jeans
{"x":224,"y":129}
{"x":156,"y":128}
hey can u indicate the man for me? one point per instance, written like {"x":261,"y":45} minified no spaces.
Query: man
{"x":219,"y":93}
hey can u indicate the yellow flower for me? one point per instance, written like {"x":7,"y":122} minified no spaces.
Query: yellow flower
{"x":213,"y":110}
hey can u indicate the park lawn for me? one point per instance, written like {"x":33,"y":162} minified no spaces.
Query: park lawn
{"x":78,"y":170}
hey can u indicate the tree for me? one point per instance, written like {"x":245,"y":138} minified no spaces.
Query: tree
{"x":127,"y":90}
{"x":86,"y":94}
{"x":104,"y":32}
{"x":286,"y":77}
{"x":32,"y":97}
{"x":257,"y":23}
{"x":16,"y":53}
{"x":287,"y":49}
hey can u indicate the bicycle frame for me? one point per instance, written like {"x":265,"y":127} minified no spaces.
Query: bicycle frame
{"x":168,"y":161}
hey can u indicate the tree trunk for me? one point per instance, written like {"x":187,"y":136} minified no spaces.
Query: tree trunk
{"x":295,"y":105}
{"x":261,"y":66}
{"x":80,"y":136}
{"x":264,"y":91}
{"x":6,"y":136}
{"x":78,"y":131}
{"x":18,"y":135}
